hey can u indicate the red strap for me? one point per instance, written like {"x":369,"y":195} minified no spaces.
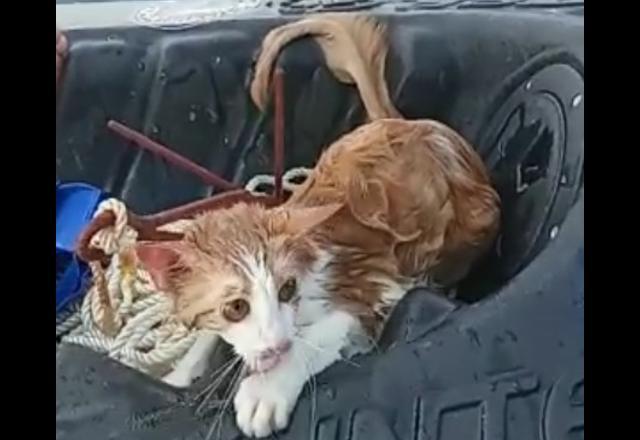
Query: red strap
{"x":147,"y":225}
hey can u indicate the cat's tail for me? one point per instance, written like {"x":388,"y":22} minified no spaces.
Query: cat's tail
{"x":355,"y":49}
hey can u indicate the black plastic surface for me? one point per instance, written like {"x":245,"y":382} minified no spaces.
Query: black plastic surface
{"x":187,"y":89}
{"x":508,"y":366}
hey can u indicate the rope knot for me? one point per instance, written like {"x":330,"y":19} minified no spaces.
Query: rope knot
{"x":120,"y":235}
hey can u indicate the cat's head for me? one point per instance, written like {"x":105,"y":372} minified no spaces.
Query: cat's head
{"x":250,"y":274}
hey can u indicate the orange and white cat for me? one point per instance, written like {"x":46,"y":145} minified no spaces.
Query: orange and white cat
{"x":296,"y":288}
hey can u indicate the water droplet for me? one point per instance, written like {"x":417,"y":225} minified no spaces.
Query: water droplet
{"x":554,"y":232}
{"x":155,"y":129}
{"x":511,"y":335}
{"x":577,"y":100}
{"x":331,"y":393}
{"x":213,"y":116}
{"x":217,"y":60}
{"x":192,"y":116}
{"x":141,"y":66}
{"x":225,"y":140}
{"x":473,"y":336}
{"x":516,"y":385}
{"x":111,"y":37}
{"x":563,"y":179}
{"x":528,"y":85}
{"x":162,"y":76}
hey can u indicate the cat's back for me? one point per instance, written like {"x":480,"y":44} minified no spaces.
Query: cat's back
{"x":374,"y":144}
{"x":403,"y":156}
{"x":417,"y":183}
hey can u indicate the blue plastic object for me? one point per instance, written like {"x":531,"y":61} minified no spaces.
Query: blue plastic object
{"x":75,"y":204}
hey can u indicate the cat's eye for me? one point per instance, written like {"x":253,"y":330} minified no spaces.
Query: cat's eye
{"x":236,"y":310}
{"x":288,"y":290}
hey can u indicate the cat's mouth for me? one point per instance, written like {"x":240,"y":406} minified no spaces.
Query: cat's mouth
{"x":267,"y":364}
{"x":269,"y":359}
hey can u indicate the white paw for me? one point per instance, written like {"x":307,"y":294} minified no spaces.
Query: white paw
{"x":263,"y":405}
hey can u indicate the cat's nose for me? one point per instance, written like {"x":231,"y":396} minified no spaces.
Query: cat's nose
{"x":278,"y":349}
{"x":283,"y":346}
{"x":269,"y":358}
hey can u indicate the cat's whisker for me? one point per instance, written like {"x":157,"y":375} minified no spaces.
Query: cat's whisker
{"x":340,"y":358}
{"x":216,"y":374}
{"x":234,"y":389}
{"x":374,"y":344}
{"x":219,"y":382}
{"x":314,"y":392}
{"x":316,"y":298}
{"x":217,"y":423}
{"x":233,"y":358}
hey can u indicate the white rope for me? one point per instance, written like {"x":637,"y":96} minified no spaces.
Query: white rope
{"x":288,"y":180}
{"x":112,"y":238}
{"x":293,"y":174}
{"x":122,"y":314}
{"x":68,"y":320}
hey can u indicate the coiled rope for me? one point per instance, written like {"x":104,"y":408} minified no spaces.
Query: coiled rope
{"x":122,"y":314}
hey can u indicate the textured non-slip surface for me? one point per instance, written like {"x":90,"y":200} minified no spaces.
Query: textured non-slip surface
{"x":510,"y":367}
{"x":504,"y":363}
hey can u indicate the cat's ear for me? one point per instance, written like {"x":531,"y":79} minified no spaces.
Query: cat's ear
{"x":163,"y":261}
{"x":302,"y":220}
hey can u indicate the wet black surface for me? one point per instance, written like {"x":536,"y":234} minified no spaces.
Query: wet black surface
{"x":509,"y":365}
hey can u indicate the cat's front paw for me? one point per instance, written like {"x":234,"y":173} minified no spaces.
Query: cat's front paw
{"x":263,"y":405}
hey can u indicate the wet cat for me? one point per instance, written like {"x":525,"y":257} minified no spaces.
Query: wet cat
{"x":296,"y":288}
